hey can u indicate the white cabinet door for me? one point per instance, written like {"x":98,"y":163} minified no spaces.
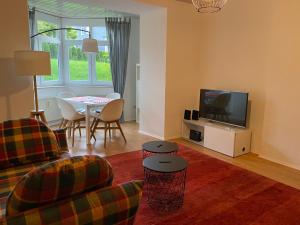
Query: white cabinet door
{"x":220,"y":140}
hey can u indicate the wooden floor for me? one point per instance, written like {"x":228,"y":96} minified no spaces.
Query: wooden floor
{"x":135,"y":140}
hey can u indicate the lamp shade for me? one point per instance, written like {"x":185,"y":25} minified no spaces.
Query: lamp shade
{"x":90,"y":45}
{"x":29,"y":63}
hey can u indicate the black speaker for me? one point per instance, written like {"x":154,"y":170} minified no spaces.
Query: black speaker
{"x":195,"y":115}
{"x":187,"y":114}
{"x":195,"y":135}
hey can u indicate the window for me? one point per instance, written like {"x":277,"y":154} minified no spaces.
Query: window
{"x":49,"y":42}
{"x":103,"y":71}
{"x":43,"y":26}
{"x":76,"y":34}
{"x":91,"y":69}
{"x":99,"y":33}
{"x":78,"y":64}
{"x":53,"y":49}
{"x":69,"y":65}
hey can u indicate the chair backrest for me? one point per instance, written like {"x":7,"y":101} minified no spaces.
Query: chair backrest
{"x":114,"y":95}
{"x":66,"y":94}
{"x":112,"y":111}
{"x":68,"y":111}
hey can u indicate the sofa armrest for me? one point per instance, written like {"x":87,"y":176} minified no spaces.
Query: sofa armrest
{"x":110,"y":205}
{"x":61,"y":138}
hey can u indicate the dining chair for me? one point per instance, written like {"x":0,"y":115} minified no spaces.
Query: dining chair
{"x":113,"y":95}
{"x":110,"y":114}
{"x":71,"y":117}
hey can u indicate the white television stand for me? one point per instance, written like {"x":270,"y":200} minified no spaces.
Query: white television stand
{"x":226,"y":139}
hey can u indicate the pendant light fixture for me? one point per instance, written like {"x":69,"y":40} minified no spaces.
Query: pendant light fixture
{"x":209,"y":6}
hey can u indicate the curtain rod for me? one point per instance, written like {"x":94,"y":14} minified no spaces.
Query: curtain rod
{"x":81,"y":18}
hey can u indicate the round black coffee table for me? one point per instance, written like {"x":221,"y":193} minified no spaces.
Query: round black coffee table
{"x":165,"y":181}
{"x":159,"y":147}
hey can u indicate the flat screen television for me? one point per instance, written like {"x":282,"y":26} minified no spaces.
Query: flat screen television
{"x":224,"y":106}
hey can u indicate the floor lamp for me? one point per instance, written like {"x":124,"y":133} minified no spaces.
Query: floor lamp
{"x":33,"y":63}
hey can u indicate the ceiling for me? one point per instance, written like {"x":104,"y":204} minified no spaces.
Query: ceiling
{"x":77,"y":8}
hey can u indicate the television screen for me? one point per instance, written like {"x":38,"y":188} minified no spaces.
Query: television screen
{"x":224,"y":106}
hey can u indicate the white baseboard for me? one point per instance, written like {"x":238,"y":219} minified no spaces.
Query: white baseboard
{"x":151,"y":135}
{"x":297,"y":167}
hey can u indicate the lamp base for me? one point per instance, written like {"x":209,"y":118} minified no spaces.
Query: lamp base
{"x":39,"y":115}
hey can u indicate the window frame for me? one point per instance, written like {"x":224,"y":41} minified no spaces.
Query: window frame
{"x":68,"y":44}
{"x":64,"y":78}
{"x":99,"y":82}
{"x":91,"y":58}
{"x":38,"y":42}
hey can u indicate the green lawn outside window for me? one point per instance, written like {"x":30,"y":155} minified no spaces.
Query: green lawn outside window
{"x":79,"y":70}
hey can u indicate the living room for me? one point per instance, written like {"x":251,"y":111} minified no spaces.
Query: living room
{"x":248,"y":46}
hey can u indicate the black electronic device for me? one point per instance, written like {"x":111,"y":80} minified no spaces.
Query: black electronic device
{"x":187,"y":114}
{"x":195,"y":115}
{"x":195,"y":135}
{"x":224,"y":106}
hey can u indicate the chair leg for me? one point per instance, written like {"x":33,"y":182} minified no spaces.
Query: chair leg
{"x":93,"y":123}
{"x":93,"y":129}
{"x":69,"y":127}
{"x":79,"y":128}
{"x":65,"y":123}
{"x":73,"y":127}
{"x":109,"y":130}
{"x":119,"y":126}
{"x":61,"y":123}
{"x":105,"y":130}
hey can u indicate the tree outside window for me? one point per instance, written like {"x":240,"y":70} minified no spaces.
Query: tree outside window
{"x":43,"y":26}
{"x":53,"y":50}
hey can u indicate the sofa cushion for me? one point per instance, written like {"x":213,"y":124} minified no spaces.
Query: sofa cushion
{"x":8,"y":180}
{"x":26,"y":141}
{"x":58,"y":180}
{"x":114,"y":205}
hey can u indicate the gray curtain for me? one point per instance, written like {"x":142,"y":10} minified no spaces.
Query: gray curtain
{"x":32,"y":26}
{"x":118,"y":32}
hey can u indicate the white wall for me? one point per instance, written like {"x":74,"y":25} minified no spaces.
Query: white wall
{"x":16,"y":96}
{"x":153,"y":72}
{"x":133,"y":59}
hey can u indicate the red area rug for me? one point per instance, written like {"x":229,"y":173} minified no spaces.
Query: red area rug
{"x":217,"y":193}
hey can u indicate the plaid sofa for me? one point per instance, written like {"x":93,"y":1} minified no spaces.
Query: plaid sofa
{"x":26,"y":144}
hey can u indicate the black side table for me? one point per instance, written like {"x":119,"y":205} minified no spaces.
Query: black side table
{"x":159,"y":147}
{"x":165,"y":181}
